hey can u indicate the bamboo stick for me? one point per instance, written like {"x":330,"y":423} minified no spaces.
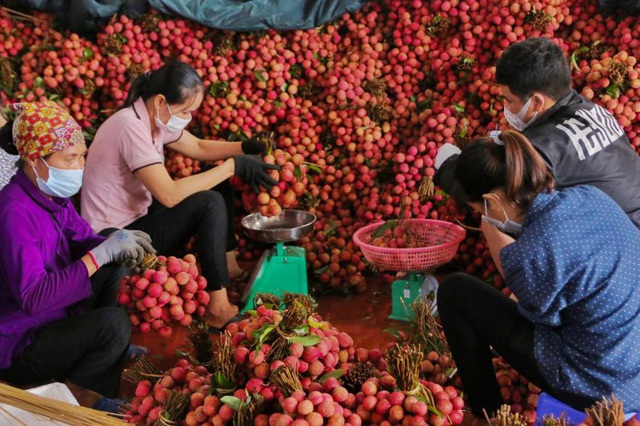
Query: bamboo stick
{"x":56,"y":410}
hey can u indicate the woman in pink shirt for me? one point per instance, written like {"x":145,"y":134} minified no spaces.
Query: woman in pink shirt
{"x":126,"y":184}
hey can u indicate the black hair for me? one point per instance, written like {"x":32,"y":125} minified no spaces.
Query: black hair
{"x":514,"y":165}
{"x":177,"y":81}
{"x":6,"y":142}
{"x":534,"y":65}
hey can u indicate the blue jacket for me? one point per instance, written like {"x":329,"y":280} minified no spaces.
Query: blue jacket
{"x":575,"y":271}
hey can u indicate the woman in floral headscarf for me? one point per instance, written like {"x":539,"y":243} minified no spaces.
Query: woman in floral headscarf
{"x":58,"y":280}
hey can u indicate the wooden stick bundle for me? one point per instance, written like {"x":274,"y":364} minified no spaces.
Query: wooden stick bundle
{"x":140,"y":370}
{"x":287,"y":379}
{"x":55,"y":410}
{"x":426,"y":331}
{"x":607,"y":412}
{"x":403,"y":362}
{"x":504,"y":417}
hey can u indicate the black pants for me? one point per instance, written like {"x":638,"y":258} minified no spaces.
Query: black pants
{"x":209,"y":216}
{"x":476,"y":316}
{"x":89,"y":350}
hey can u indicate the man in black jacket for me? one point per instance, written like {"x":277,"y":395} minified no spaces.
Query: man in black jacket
{"x":581,"y":142}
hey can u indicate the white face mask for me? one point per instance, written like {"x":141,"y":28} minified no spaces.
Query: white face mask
{"x":509,"y":226}
{"x":517,"y":120}
{"x":61,"y":183}
{"x":175,"y":124}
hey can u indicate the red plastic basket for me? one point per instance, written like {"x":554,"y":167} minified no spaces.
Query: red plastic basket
{"x":441,"y":244}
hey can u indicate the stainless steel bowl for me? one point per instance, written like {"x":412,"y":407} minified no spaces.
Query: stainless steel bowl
{"x":290,"y":225}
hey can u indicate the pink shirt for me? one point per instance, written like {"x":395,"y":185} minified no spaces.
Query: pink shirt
{"x":112,"y":196}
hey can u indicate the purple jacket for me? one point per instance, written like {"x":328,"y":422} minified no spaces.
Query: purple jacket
{"x":41,"y":274}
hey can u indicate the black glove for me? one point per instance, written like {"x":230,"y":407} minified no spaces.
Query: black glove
{"x":254,"y":171}
{"x":258,"y":144}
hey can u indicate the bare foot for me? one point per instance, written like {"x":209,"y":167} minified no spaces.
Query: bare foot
{"x":220,"y":310}
{"x":235,"y":271}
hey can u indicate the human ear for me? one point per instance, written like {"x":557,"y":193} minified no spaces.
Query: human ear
{"x":494,"y":204}
{"x":538,"y":102}
{"x":159,"y":101}
{"x":32,"y":162}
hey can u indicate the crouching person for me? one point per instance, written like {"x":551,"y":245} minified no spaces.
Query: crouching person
{"x":575,"y":328}
{"x":58,"y":280}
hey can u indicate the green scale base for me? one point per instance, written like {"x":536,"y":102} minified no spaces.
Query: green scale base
{"x":279,"y":270}
{"x":403,"y":292}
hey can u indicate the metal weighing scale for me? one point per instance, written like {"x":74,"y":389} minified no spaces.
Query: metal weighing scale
{"x":440,"y":239}
{"x":282,"y":268}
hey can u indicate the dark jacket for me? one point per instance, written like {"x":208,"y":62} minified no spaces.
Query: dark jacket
{"x":582,"y":144}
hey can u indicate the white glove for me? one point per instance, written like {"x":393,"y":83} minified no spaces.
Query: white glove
{"x":445,"y":151}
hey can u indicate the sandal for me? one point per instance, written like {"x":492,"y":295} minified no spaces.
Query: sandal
{"x":111,"y":405}
{"x":135,"y":352}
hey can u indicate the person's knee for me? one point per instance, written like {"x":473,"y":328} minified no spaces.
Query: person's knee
{"x":114,"y":327}
{"x":208,"y":198}
{"x":209,"y":202}
{"x":115,"y":273}
{"x":449,"y":287}
{"x":106,"y":283}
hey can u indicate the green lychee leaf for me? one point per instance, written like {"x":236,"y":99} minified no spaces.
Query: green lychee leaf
{"x":296,"y":70}
{"x":336,"y":374}
{"x":459,"y":108}
{"x":306,"y":340}
{"x":232,"y":401}
{"x":321,"y":270}
{"x":389,"y":224}
{"x":263,"y":332}
{"x":313,"y":323}
{"x":314,"y":168}
{"x":220,"y":381}
{"x":258,"y":74}
{"x":614,"y":91}
{"x":394,"y":332}
{"x":333,"y":227}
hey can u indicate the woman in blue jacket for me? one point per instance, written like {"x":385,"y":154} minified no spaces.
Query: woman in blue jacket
{"x":575,"y":328}
{"x":58,"y":315}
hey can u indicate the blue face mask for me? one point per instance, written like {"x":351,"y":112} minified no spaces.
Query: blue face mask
{"x":61,"y":183}
{"x":508,"y":226}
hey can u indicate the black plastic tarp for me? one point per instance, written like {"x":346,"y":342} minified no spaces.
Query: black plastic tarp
{"x":255,"y":15}
{"x":611,"y":6}
{"x":88,"y":16}
{"x":81,"y":16}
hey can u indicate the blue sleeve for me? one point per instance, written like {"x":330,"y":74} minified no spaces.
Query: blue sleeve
{"x":79,"y":234}
{"x":35,"y":287}
{"x":532,"y":272}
